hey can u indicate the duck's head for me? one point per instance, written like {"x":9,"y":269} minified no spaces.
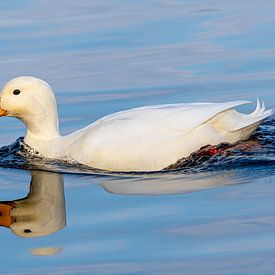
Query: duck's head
{"x":26,"y":96}
{"x":31,"y":100}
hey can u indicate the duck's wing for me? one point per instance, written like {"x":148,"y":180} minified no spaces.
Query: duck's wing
{"x":170,"y":118}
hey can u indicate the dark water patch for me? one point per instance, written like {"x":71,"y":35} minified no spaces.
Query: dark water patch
{"x":258,"y":153}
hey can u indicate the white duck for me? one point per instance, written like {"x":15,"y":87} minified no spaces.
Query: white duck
{"x":142,"y":139}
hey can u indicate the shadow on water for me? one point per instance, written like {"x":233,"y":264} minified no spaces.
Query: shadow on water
{"x":258,"y":152}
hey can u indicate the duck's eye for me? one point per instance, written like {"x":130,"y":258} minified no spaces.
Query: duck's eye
{"x":16,"y":92}
{"x":27,"y":231}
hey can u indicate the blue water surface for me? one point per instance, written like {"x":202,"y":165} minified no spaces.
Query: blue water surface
{"x":105,"y":56}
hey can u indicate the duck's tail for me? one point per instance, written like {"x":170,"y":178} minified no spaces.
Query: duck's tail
{"x":261,"y":110}
{"x":253,"y":119}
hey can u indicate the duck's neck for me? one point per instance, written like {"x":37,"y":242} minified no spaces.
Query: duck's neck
{"x":41,"y":129}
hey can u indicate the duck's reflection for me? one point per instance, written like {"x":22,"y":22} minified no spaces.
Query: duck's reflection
{"x":42,"y":212}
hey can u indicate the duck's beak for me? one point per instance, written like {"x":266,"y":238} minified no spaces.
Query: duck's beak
{"x":3,"y":112}
{"x":5,"y":218}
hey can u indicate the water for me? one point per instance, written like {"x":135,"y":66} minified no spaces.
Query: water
{"x":215,"y":215}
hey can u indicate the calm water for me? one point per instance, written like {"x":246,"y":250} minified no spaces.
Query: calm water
{"x":105,"y":56}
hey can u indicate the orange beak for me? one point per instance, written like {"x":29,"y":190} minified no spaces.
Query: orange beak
{"x":5,"y":218}
{"x":3,"y":112}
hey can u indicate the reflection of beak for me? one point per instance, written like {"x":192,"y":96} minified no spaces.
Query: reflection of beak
{"x":3,"y":112}
{"x":5,"y":218}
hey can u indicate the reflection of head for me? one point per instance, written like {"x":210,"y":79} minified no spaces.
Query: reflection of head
{"x":42,"y":212}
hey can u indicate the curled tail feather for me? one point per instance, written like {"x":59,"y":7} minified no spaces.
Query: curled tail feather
{"x":255,"y":118}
